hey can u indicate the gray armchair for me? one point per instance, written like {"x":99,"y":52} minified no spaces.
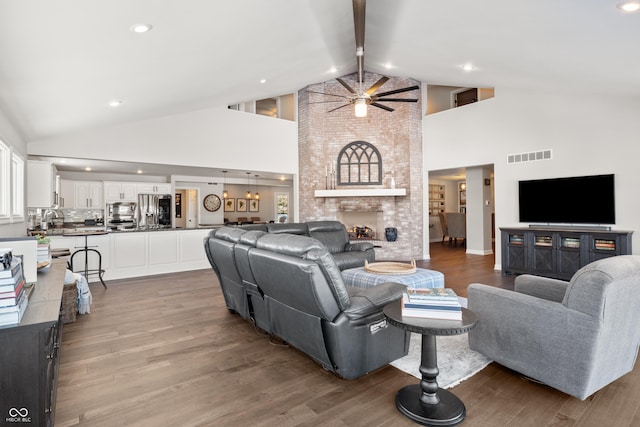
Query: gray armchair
{"x":575,"y":336}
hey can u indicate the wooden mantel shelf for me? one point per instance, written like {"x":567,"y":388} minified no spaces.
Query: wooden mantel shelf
{"x":371,"y":192}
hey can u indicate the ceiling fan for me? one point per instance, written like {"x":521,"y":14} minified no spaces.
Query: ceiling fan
{"x":360,"y":98}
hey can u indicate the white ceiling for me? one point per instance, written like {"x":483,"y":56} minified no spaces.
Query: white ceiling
{"x":62,"y":61}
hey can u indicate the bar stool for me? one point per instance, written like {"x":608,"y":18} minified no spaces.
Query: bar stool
{"x":86,"y":249}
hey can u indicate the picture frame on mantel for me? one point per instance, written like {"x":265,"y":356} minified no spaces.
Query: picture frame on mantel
{"x":241,"y":205}
{"x":254,"y":205}
{"x":229,"y":205}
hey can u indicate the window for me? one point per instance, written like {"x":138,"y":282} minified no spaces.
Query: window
{"x":5,"y":182}
{"x":11,"y":185}
{"x":359,"y":163}
{"x":17,"y":187}
{"x":282,"y":207}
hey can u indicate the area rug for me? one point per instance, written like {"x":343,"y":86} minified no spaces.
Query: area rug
{"x":456,"y":361}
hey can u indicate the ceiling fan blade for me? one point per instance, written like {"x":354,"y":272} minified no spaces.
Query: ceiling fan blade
{"x":346,"y":86}
{"x":337,"y":108}
{"x":384,"y":107}
{"x":377,"y":85}
{"x":394,"y":99}
{"x":324,"y":93}
{"x":393,"y":92}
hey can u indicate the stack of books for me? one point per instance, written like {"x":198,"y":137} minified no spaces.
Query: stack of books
{"x":13,"y":297}
{"x":44,"y":255}
{"x":439,"y":303}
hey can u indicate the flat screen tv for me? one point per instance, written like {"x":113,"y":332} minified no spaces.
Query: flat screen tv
{"x":574,"y":200}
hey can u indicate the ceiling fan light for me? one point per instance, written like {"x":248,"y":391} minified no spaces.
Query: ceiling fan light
{"x":361,"y":107}
{"x":629,"y":6}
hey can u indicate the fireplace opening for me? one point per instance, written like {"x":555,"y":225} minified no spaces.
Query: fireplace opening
{"x":363,"y":225}
{"x":361,"y":233}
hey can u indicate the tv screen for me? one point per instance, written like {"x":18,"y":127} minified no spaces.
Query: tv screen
{"x":574,"y":200}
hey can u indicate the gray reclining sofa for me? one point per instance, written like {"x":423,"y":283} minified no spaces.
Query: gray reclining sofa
{"x":291,"y":287}
{"x":332,"y":234}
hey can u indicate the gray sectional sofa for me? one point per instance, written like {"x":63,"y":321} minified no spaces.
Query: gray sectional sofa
{"x":291,"y":287}
{"x":332,"y":234}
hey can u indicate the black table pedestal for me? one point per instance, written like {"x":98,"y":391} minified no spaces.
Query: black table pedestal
{"x":425,"y":403}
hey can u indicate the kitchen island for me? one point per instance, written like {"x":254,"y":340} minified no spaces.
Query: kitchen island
{"x":137,"y":253}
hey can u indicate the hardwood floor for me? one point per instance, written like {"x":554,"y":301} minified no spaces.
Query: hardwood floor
{"x":164,"y":351}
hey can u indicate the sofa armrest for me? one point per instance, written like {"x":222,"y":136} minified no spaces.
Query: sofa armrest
{"x":541,"y":287}
{"x":358,"y":246}
{"x":367,"y":301}
{"x":526,"y":333}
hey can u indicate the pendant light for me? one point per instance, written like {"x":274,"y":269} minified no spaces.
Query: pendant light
{"x":248,"y":195}
{"x":225,"y":193}
{"x":257,"y":195}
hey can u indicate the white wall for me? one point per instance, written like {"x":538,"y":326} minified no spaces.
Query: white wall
{"x":215,"y":137}
{"x":588,"y":134}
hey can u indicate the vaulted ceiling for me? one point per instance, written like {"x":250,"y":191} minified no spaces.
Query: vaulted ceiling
{"x":62,"y":61}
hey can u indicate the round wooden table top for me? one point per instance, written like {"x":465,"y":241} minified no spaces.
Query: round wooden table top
{"x":429,"y":326}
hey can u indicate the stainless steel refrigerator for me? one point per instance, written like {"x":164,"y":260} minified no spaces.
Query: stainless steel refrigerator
{"x":154,"y":211}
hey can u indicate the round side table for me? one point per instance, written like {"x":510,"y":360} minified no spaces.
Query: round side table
{"x":426,"y":403}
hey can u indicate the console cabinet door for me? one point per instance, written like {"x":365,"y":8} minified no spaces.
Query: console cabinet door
{"x":543,"y":259}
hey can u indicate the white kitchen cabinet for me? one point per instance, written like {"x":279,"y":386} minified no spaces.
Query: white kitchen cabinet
{"x":150,"y":188}
{"x":120,"y":192}
{"x":41,"y":184}
{"x":88,"y":195}
{"x":66,"y":198}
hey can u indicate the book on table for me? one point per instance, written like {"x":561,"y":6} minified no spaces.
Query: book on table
{"x":12,"y":298}
{"x":13,"y":314}
{"x":436,"y":309}
{"x":9,"y":272}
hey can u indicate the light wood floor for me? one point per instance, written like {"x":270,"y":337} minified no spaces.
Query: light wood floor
{"x":164,"y":351}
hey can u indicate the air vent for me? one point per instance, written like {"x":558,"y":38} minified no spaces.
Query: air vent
{"x":529,"y":157}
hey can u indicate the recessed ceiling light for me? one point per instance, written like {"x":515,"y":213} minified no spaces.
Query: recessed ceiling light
{"x":333,"y":70}
{"x":263,"y":81}
{"x":140,"y":28}
{"x":87,"y":168}
{"x":468,"y":67}
{"x":388,"y":65}
{"x":139,"y":171}
{"x":115,"y":103}
{"x":630,"y":6}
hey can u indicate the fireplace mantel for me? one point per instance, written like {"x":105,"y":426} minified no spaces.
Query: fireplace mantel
{"x":364,"y":192}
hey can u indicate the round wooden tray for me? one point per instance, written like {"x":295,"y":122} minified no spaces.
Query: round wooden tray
{"x":390,"y":267}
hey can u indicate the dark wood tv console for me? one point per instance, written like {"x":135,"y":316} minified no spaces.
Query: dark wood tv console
{"x":558,"y":253}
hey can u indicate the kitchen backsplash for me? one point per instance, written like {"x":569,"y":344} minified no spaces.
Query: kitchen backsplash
{"x":66,"y":215}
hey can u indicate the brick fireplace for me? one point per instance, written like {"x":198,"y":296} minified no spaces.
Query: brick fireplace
{"x":396,"y":135}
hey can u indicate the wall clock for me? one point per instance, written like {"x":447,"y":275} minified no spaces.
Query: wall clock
{"x":212,"y":202}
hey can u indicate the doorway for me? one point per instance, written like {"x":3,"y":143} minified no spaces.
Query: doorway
{"x":453,"y":185}
{"x":185,"y":213}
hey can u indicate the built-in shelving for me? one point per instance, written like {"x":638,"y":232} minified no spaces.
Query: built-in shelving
{"x":371,"y":192}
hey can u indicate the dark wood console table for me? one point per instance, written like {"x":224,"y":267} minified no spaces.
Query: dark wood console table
{"x":30,"y":354}
{"x":426,"y":403}
{"x":559,"y":252}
